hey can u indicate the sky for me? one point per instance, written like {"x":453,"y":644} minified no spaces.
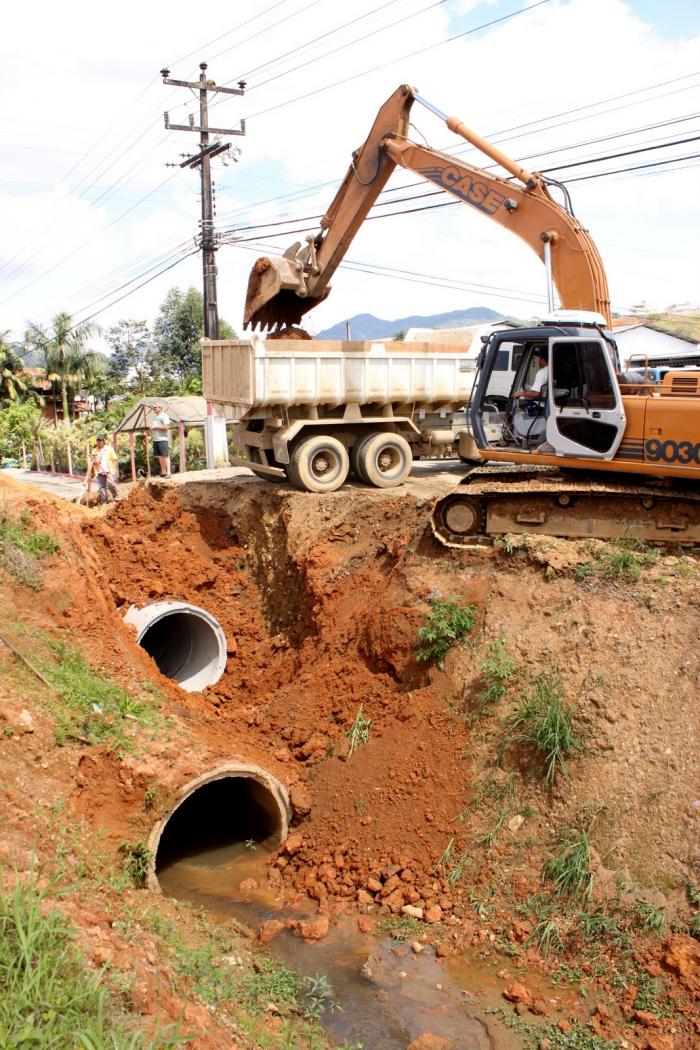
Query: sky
{"x":99,"y":220}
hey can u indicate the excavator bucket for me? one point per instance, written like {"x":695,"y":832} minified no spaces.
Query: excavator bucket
{"x":275,"y":297}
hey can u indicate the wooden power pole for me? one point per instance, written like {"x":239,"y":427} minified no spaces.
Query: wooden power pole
{"x":202,"y":160}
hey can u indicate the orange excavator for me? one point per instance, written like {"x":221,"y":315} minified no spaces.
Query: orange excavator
{"x":590,"y":452}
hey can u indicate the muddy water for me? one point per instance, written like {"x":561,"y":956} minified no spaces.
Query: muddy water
{"x":388,"y":996}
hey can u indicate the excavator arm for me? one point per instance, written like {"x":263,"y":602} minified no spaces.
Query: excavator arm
{"x":281,"y":290}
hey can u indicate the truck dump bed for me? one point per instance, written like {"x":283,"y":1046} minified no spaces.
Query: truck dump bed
{"x":255,"y":373}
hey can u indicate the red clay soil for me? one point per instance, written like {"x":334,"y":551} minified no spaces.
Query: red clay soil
{"x":321,"y":599}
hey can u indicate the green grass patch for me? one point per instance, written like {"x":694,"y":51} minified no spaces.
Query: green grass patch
{"x":569,"y":867}
{"x":578,"y":1037}
{"x":22,"y":547}
{"x":624,"y":559}
{"x":543,"y":722}
{"x":402,"y":927}
{"x":90,"y":708}
{"x":447,"y":623}
{"x":49,"y":998}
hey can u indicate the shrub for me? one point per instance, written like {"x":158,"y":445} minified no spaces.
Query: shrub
{"x":448,"y":622}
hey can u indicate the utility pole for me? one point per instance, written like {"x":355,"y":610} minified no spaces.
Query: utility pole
{"x":202,"y":160}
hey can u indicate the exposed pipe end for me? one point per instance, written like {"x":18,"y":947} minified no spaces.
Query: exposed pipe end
{"x":186,"y":642}
{"x":266,"y":794}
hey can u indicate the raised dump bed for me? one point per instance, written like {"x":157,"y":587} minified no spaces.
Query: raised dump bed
{"x":315,"y":410}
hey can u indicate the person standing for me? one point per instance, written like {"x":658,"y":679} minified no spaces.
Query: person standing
{"x":160,"y":429}
{"x":106,"y":466}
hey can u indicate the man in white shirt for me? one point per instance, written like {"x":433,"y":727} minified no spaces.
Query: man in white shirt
{"x":540,"y":380}
{"x":160,"y":430}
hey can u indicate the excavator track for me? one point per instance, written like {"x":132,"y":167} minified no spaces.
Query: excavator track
{"x":511,"y":498}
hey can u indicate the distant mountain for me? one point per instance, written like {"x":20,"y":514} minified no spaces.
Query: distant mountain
{"x":367,"y":326}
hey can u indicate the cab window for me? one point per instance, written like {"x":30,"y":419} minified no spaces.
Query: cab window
{"x":581,"y":377}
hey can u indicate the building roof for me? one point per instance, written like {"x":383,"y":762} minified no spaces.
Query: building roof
{"x":191,"y":411}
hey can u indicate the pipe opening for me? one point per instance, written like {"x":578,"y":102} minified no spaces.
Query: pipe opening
{"x":186,"y":643}
{"x":221,"y":813}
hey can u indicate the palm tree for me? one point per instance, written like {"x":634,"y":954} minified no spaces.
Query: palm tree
{"x":63,"y":349}
{"x":12,"y":383}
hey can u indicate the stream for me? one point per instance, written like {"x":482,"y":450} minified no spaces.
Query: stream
{"x":387,"y":994}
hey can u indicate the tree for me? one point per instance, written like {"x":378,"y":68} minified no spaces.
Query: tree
{"x":133,"y":361}
{"x":22,"y":422}
{"x":178,"y":330}
{"x":65,"y":357}
{"x":13,"y":385}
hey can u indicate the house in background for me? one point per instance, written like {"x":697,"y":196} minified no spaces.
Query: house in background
{"x":52,"y":409}
{"x":469,"y":336}
{"x":639,"y":341}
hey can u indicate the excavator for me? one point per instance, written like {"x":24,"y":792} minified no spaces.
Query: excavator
{"x":593,"y":452}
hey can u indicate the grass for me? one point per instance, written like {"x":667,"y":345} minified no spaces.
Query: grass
{"x":358,"y":734}
{"x":569,"y":867}
{"x":137,"y":858}
{"x":448,"y":623}
{"x":49,"y":998}
{"x":624,"y":559}
{"x":487,"y":840}
{"x":543,"y":722}
{"x":650,"y":919}
{"x":88,"y":707}
{"x":22,"y":547}
{"x":402,"y":927}
{"x":577,"y":1037}
{"x":547,"y":936}
{"x":497,"y":671}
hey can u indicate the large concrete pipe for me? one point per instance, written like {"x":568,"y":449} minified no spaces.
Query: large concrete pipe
{"x":234,"y":802}
{"x":186,"y":642}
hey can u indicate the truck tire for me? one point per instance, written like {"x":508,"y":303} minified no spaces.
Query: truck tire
{"x":385,"y":460}
{"x":355,"y":451}
{"x":319,"y":464}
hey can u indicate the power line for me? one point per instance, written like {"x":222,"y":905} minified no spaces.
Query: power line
{"x":400,"y":58}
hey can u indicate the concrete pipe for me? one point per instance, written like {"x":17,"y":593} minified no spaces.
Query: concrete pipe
{"x":186,"y":642}
{"x":231,"y":803}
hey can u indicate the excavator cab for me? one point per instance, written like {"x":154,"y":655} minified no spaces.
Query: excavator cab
{"x":578,"y":412}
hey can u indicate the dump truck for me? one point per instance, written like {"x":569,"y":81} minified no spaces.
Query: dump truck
{"x":315,"y":411}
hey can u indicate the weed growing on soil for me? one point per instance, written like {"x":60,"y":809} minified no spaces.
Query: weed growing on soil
{"x":448,"y":622}
{"x":489,"y":838}
{"x":543,"y":722}
{"x":497,"y":670}
{"x":21,"y":547}
{"x":577,"y":1037}
{"x":137,"y":858}
{"x":358,"y":734}
{"x":318,"y":997}
{"x":569,"y":867}
{"x":90,"y":708}
{"x":49,"y":997}
{"x":623,"y":560}
{"x":547,"y":936}
{"x":401,"y":927}
{"x":651,"y":919}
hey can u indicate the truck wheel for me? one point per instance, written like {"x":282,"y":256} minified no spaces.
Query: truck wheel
{"x":385,"y":460}
{"x":319,"y":464}
{"x":355,"y":457}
